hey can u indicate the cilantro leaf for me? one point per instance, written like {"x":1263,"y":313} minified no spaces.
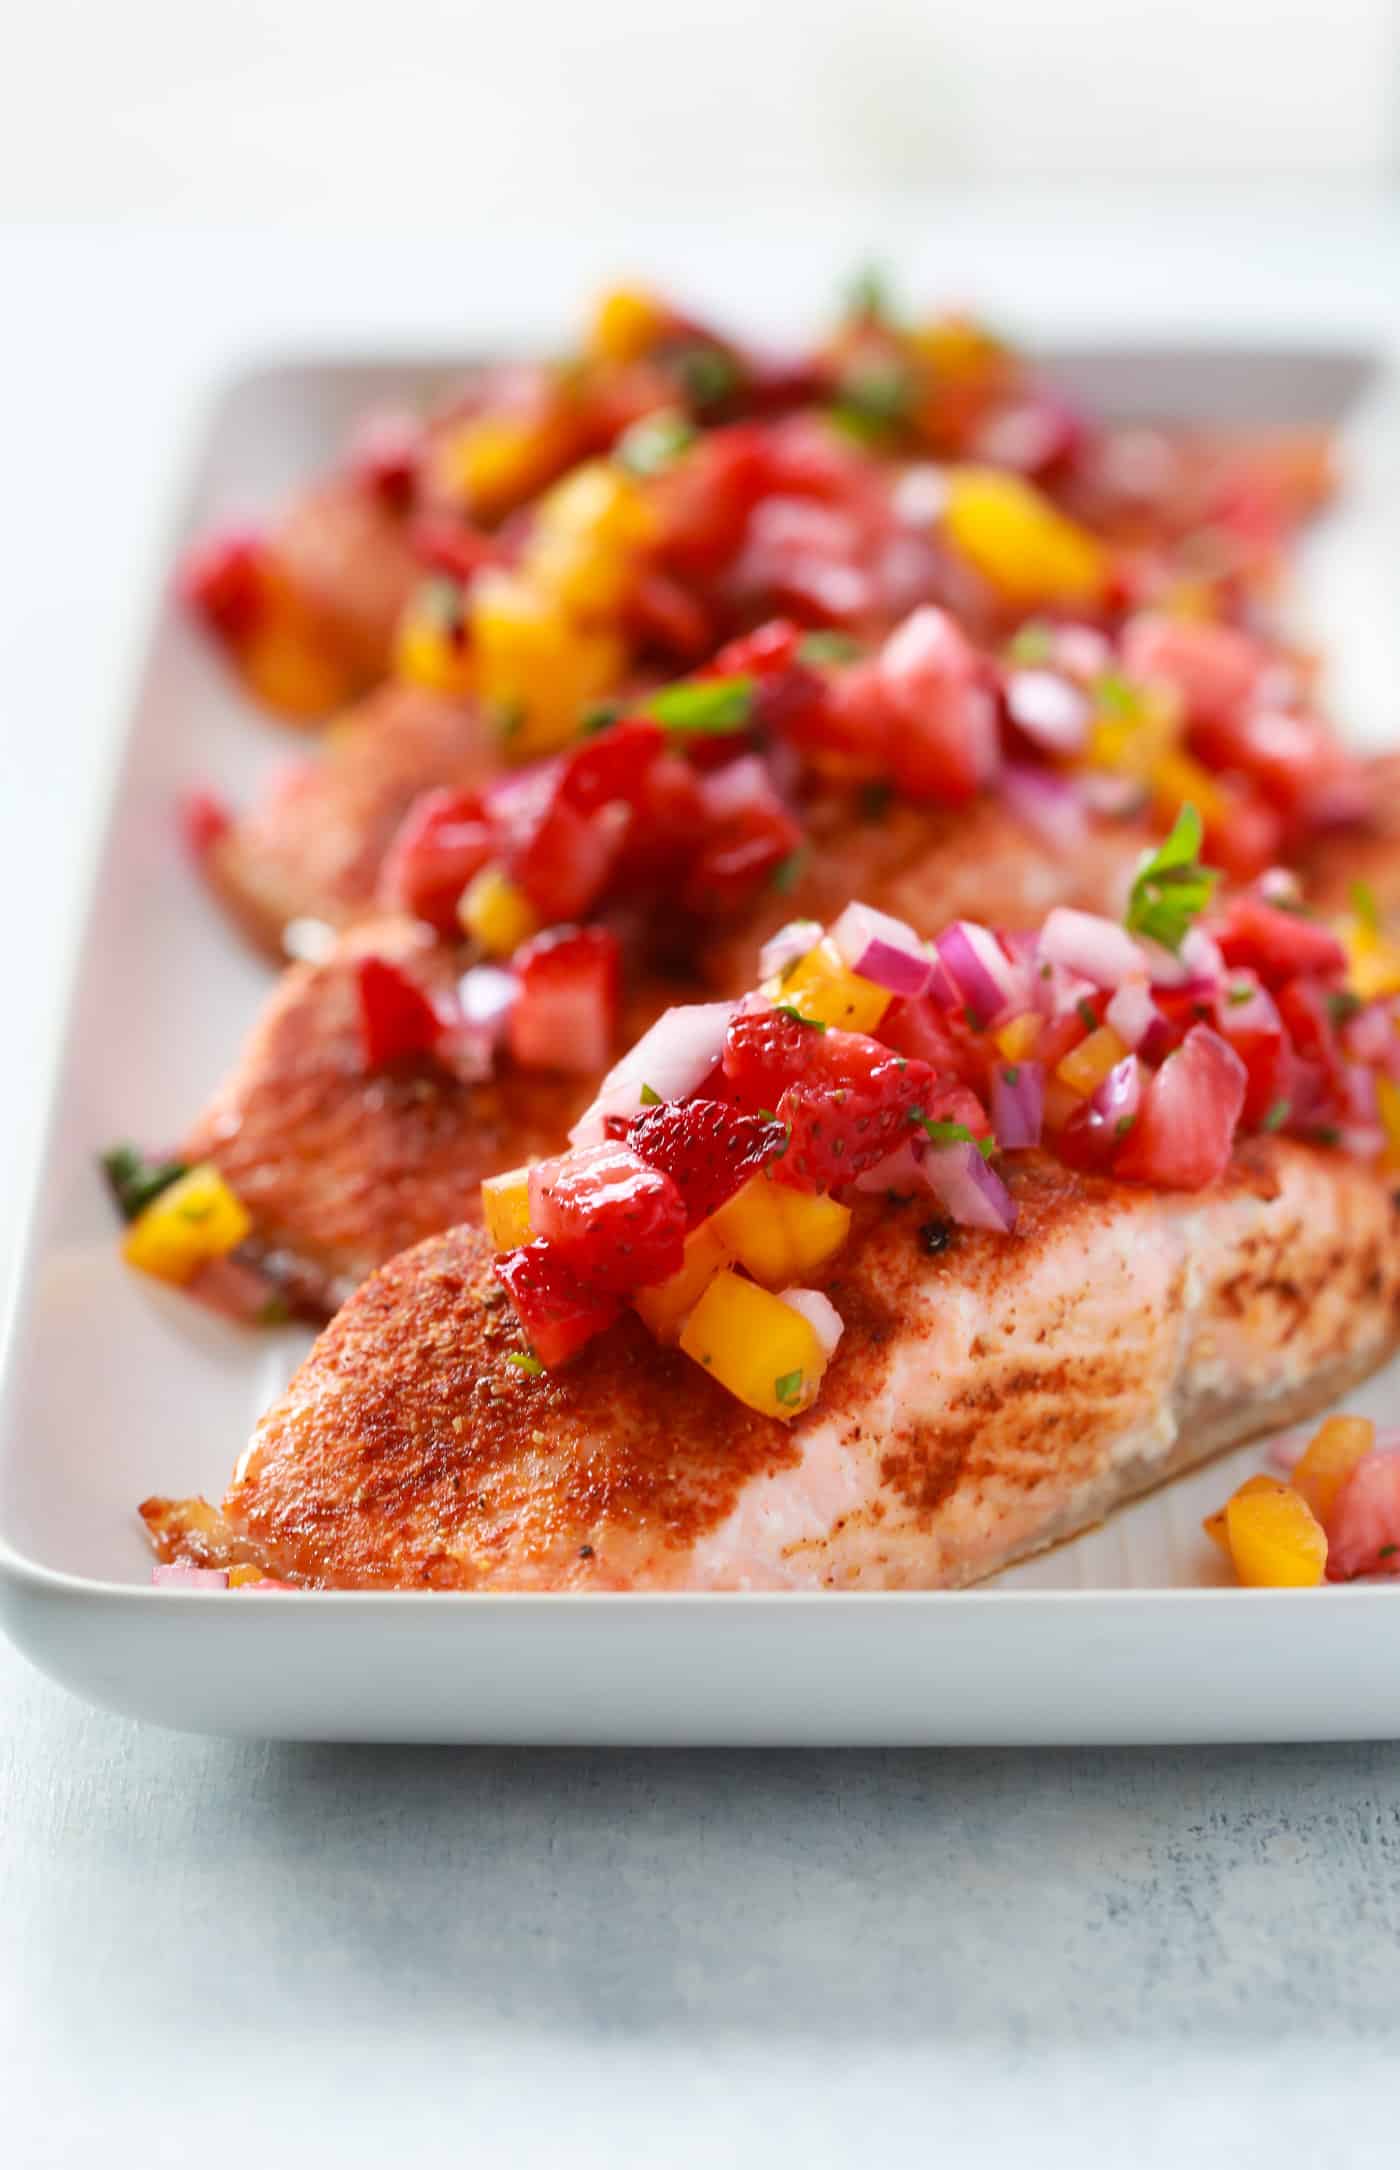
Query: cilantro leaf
{"x":1116,"y":695}
{"x":1277,"y":1116}
{"x":704,"y":707}
{"x":1172,"y":887}
{"x":788,"y":1388}
{"x":957,"y":1134}
{"x":789,"y":1009}
{"x":525,"y":1360}
{"x":136,"y":1182}
{"x":827,"y":645}
{"x":868,"y":295}
{"x":1365,"y":907}
{"x":654,"y":443}
{"x":788,"y":872}
{"x":649,"y":1097}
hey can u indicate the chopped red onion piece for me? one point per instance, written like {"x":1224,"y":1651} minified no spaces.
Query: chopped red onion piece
{"x":1052,"y":712}
{"x":921,"y":494}
{"x":1119,"y":1097}
{"x":969,"y":1188}
{"x":1364,"y":1141}
{"x":1096,"y":948}
{"x":1131,"y":1012}
{"x":1279,"y":885}
{"x":307,"y":941}
{"x":1370,"y":1035}
{"x":1018,"y":1104}
{"x":1362,"y":1105}
{"x":1198,"y":966}
{"x":1243,"y":1004}
{"x":680,"y":1051}
{"x":882,"y":949}
{"x":1047,"y":804}
{"x":787,"y":945}
{"x":1081,"y":651}
{"x":821,"y":1314}
{"x":984,"y":976}
{"x":180,"y":1575}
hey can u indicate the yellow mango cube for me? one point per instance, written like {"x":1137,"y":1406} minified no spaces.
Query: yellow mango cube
{"x":196,"y":1219}
{"x":1177,"y":780}
{"x":1018,"y":1038}
{"x":1276,"y":1541}
{"x":665,"y":1308}
{"x":505,"y":1208}
{"x":535,"y":665}
{"x":1388,"y":1101}
{"x":238,"y":1577}
{"x":763,"y":1351}
{"x":289,"y":666}
{"x":426,"y":653}
{"x":499,"y":459}
{"x":1214,"y":1524}
{"x":1329,"y":1459}
{"x":496,"y":912}
{"x":822,"y":986}
{"x":1373,"y":962}
{"x":783,"y":1237}
{"x":588,"y":531}
{"x":1019,"y":541}
{"x":627,"y":323}
{"x":1085,"y":1067}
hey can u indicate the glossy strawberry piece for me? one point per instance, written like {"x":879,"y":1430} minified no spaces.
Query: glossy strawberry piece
{"x":1278,"y":945}
{"x":1186,"y":1124}
{"x":847,"y":1098}
{"x":943,"y":741}
{"x":707,"y":1149}
{"x":558,"y":1314}
{"x":442,"y":841}
{"x":224,"y":578}
{"x":616,"y":1221}
{"x":566,"y":1015}
{"x":1363,"y":1529}
{"x":397,"y":1021}
{"x":747,"y":833}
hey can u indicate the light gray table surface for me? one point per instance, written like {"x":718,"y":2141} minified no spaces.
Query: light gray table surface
{"x":223,"y":1953}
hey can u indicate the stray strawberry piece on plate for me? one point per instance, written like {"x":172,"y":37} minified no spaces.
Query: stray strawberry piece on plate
{"x":1364,"y":1525}
{"x":616,"y":1221}
{"x":566,"y":1014}
{"x":397,"y":1020}
{"x":558,"y":1314}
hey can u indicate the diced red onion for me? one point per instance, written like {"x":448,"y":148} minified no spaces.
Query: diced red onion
{"x":180,"y":1575}
{"x":821,"y":1314}
{"x":882,"y":949}
{"x":1056,"y":992}
{"x":1095,"y":947}
{"x":680,"y":1050}
{"x":1049,"y":805}
{"x":1243,"y":1004}
{"x":738,"y":787}
{"x":1018,"y":1110}
{"x":1370,"y":1035}
{"x":969,"y":1188}
{"x":1052,"y":712}
{"x":984,"y":976}
{"x":1201,"y":954}
{"x":307,"y":941}
{"x":1131,"y":1012}
{"x":901,"y":1171}
{"x":1364,"y":1141}
{"x":1119,"y":1097}
{"x":1197,"y":967}
{"x":787,"y":945}
{"x":1359,"y":1084}
{"x":921,"y":494}
{"x":1081,"y":651}
{"x":1279,"y":885}
{"x":486,"y":995}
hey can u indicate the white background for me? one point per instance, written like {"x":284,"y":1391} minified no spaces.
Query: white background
{"x":229,"y":1954}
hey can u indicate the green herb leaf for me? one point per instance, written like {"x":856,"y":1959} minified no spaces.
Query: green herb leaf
{"x":1124,"y":1124}
{"x":655,"y":443}
{"x":525,"y":1360}
{"x":135,"y":1181}
{"x":649,"y":1098}
{"x":1012,"y":1074}
{"x":1387,"y":1552}
{"x":1277,"y":1116}
{"x":1342,"y":1004}
{"x":1365,"y":907}
{"x":1234,"y":996}
{"x":1116,"y":695}
{"x":788,"y":872}
{"x":509,"y":720}
{"x":276,"y":1311}
{"x":1326,"y":1134}
{"x":1088,"y":1015}
{"x":947,"y":1133}
{"x":599,"y":716}
{"x":872,"y":399}
{"x":787,"y":1009}
{"x":827,"y":646}
{"x":1172,"y":887}
{"x":708,"y":376}
{"x":1034,"y":642}
{"x":788,"y":1388}
{"x":704,"y":707}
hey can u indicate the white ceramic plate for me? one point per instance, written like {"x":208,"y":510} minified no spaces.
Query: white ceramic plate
{"x":117,"y":1388}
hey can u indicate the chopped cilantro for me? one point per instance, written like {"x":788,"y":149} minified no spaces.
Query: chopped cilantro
{"x":654,"y":443}
{"x":827,"y":646}
{"x":708,"y":376}
{"x":1387,"y":1552}
{"x":509,"y":720}
{"x":1363,"y":904}
{"x":1277,"y":1116}
{"x":441,"y":602}
{"x":1234,"y":996}
{"x":872,"y":400}
{"x":789,"y":1009}
{"x":1172,"y":887}
{"x":971,"y":1018}
{"x":135,"y":1181}
{"x":600,"y":716}
{"x":788,"y":872}
{"x":1034,"y":642}
{"x":1327,"y":1134}
{"x":1011,"y":1074}
{"x":704,"y":707}
{"x":649,"y":1098}
{"x":1116,"y":695}
{"x":525,"y":1360}
{"x":957,"y":1134}
{"x":1124,"y":1124}
{"x":1088,"y":1015}
{"x":276,"y":1311}
{"x":788,"y":1388}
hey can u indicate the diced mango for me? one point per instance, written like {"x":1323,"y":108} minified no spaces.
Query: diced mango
{"x":1018,"y":1037}
{"x":1214,"y":1524}
{"x":1085,"y":1067}
{"x":783,"y":1237}
{"x":1276,"y":1541}
{"x":666,"y":1307}
{"x":1373,"y":961}
{"x":292,"y":668}
{"x":1019,"y":541}
{"x":823,"y":987}
{"x":1329,"y":1459}
{"x":1388,"y":1101}
{"x":239,"y":1576}
{"x":757,"y":1346}
{"x":496,"y":912}
{"x":505,"y":1208}
{"x":1137,"y":731}
{"x":588,"y":532}
{"x":428,"y":653}
{"x":627,"y":323}
{"x":957,"y":349}
{"x":498,"y":460}
{"x":535,"y":665}
{"x":196,"y":1219}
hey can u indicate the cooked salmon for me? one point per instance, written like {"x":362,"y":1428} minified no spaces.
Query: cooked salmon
{"x":312,"y":847}
{"x":348,"y":551}
{"x":985,"y":1401}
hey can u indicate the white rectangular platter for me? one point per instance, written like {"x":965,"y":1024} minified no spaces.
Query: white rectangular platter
{"x":116,"y":1388}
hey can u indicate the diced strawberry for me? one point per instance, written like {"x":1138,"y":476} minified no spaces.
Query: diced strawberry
{"x":612,"y":765}
{"x":1247,"y":839}
{"x":442,"y":841}
{"x":847,"y":1098}
{"x":384,"y":457}
{"x":664,"y":613}
{"x":1185,"y":1127}
{"x":1269,"y":1063}
{"x":941,"y":1038}
{"x":769,"y":651}
{"x":566,"y":1015}
{"x":746,"y":833}
{"x":617,"y":1221}
{"x":707,"y":1149}
{"x":1307,"y":1013}
{"x":943,"y":743}
{"x":1363,"y":1529}
{"x":564,"y":862}
{"x":396,"y":1018}
{"x":707,"y":497}
{"x":1214,"y":668}
{"x":667,"y":823}
{"x":224,"y":580}
{"x":852,"y":726}
{"x":452,"y":548}
{"x":204,"y":818}
{"x":765,"y":1050}
{"x":1294,"y":760}
{"x":558,"y":1313}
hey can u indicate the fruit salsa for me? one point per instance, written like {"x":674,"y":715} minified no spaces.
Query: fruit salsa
{"x":1334,"y":1515}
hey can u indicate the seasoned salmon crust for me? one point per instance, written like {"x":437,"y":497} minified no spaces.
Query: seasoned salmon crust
{"x":987,"y":1400}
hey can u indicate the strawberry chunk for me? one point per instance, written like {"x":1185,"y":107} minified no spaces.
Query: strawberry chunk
{"x":1279,"y":946}
{"x":747,"y":834}
{"x":442,"y":841}
{"x":707,"y":1149}
{"x":847,"y":1099}
{"x":616,"y":1221}
{"x":563,"y":863}
{"x":1186,"y":1124}
{"x":1363,"y":1529}
{"x":205,"y":819}
{"x":396,"y":1018}
{"x":559,"y":1315}
{"x":566,"y":1015}
{"x":765,"y":1050}
{"x":1214,"y":668}
{"x":612,"y":765}
{"x":943,"y":744}
{"x":385,"y":455}
{"x":223,"y":579}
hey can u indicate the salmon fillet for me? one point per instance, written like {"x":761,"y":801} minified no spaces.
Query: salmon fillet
{"x":346,"y":550}
{"x":311,"y":849}
{"x":984,"y":1402}
{"x":340,"y":1169}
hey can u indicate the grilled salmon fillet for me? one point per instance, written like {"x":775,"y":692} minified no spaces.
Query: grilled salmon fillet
{"x":346,"y":550}
{"x":341,"y":1169}
{"x":984,"y":1402}
{"x":311,"y":849}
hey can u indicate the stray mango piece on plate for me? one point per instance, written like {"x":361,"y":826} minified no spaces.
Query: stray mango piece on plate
{"x":1276,"y":1541}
